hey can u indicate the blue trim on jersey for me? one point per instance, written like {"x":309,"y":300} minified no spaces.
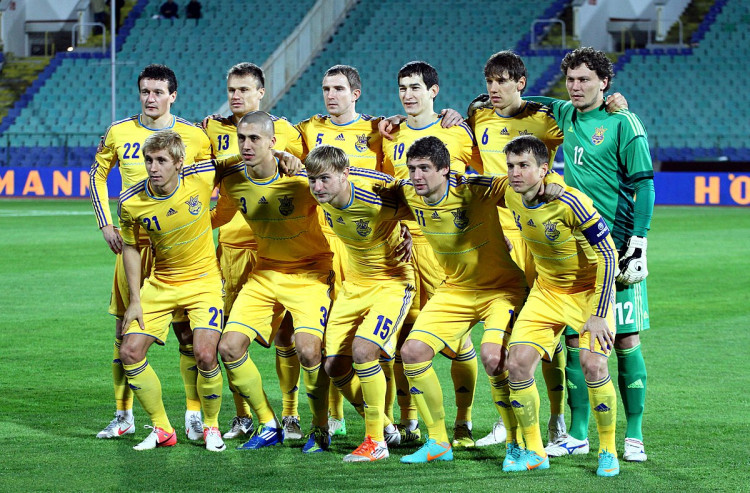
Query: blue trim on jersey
{"x":366,"y":193}
{"x":96,"y":202}
{"x":610,"y":267}
{"x":540,"y":204}
{"x":576,"y":206}
{"x":523,"y":108}
{"x":367,"y":200}
{"x":481,"y":180}
{"x":140,"y":122}
{"x":128,"y":119}
{"x":179,"y":182}
{"x":468,"y":130}
{"x":200,"y":168}
{"x":371,"y":173}
{"x":426,"y":126}
{"x":261,"y":340}
{"x":345,"y":124}
{"x":268,"y":180}
{"x":134,"y":190}
{"x":182,"y":120}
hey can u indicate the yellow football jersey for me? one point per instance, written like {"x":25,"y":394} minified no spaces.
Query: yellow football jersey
{"x":178,"y":225}
{"x":282,"y":213}
{"x":465,"y":233}
{"x":359,"y":138}
{"x":458,"y":139}
{"x":494,"y":131}
{"x":122,"y":147}
{"x":573,"y":250}
{"x":369,"y":228}
{"x":223,"y":135}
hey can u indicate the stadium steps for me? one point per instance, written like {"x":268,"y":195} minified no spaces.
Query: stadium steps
{"x":17,"y":75}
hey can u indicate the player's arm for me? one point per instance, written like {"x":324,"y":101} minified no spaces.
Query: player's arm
{"x":596,"y":233}
{"x":131,"y":259}
{"x":294,"y":143}
{"x":633,"y":267}
{"x":224,"y":210}
{"x":402,"y":252}
{"x":104,"y":160}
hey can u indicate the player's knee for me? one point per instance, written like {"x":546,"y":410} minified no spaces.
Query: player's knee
{"x":230,"y":351}
{"x":337,"y":366}
{"x":309,"y":356}
{"x":519,"y":368}
{"x":416,"y":352}
{"x":205,"y":358}
{"x":594,"y":366}
{"x":627,"y":341}
{"x":494,"y":361}
{"x":365,"y":352}
{"x":130,"y":354}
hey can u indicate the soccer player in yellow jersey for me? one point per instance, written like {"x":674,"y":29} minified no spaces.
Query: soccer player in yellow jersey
{"x":357,"y":135}
{"x":576,"y":262}
{"x":237,"y":250}
{"x":368,"y":312}
{"x":507,"y":117}
{"x":458,"y":215}
{"x":293,"y":273}
{"x":123,"y":148}
{"x":418,"y":86}
{"x":172,"y":208}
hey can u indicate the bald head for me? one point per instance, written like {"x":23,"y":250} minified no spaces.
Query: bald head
{"x":261,"y":120}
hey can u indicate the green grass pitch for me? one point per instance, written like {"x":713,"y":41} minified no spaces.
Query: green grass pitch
{"x":56,"y":391}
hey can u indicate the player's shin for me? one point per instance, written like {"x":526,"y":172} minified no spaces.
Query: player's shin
{"x":374,"y":385}
{"x":350,"y":387}
{"x":317,"y":385}
{"x":210,"y":385}
{"x":428,"y":395}
{"x":578,"y":396}
{"x":123,"y":393}
{"x":287,"y":369}
{"x":245,"y":377}
{"x":500,"y":391}
{"x":387,"y":366}
{"x":147,"y":388}
{"x":189,"y":373}
{"x":631,"y":380}
{"x":406,"y":404}
{"x":554,"y":378}
{"x":464,"y":376}
{"x":603,"y":400}
{"x":525,"y":402}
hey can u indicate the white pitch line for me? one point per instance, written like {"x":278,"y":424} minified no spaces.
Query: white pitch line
{"x":39,"y":213}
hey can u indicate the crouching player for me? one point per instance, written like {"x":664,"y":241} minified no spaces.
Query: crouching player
{"x":576,"y":260}
{"x":172,"y":206}
{"x":378,"y":289}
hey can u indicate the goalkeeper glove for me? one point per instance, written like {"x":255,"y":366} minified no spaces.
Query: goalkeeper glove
{"x":632,"y":265}
{"x":479,"y":102}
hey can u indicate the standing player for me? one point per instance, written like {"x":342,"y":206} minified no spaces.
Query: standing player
{"x":237,"y":250}
{"x":458,"y":215}
{"x":293,"y":273}
{"x":607,"y":157}
{"x":368,"y":312}
{"x":172,"y":207}
{"x":418,"y":86}
{"x":122,"y":147}
{"x":576,"y":262}
{"x":509,"y":116}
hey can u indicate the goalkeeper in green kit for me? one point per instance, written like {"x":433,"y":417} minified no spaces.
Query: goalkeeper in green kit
{"x":607,"y":157}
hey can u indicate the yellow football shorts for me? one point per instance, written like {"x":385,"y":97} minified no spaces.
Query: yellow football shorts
{"x":547,"y":312}
{"x":449,"y":315}
{"x":236,"y":265}
{"x":306,"y":295}
{"x":429,"y":275}
{"x":374,"y":311}
{"x":523,"y":258}
{"x":200,"y":298}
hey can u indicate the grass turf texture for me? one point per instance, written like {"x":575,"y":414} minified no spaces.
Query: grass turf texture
{"x":57,"y":392}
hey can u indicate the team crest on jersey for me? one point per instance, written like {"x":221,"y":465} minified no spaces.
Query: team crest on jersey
{"x":460,"y":219}
{"x":286,"y":206}
{"x":363,"y":227}
{"x":361,"y":144}
{"x":598,"y":136}
{"x":550,"y":230}
{"x":194,"y":205}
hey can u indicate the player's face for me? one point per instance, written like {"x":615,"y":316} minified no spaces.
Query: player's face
{"x":524,"y":173}
{"x":328,"y":185}
{"x":338,"y":95}
{"x":585,"y":88}
{"x":255,"y":146}
{"x":415,"y":96}
{"x":503,"y":90}
{"x":163,"y":171}
{"x":243,"y":94}
{"x":156,"y":98}
{"x":428,"y":181}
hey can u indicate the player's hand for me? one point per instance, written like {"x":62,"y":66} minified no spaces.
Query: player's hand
{"x":133,"y":312}
{"x":204,"y":123}
{"x":113,"y":238}
{"x":289,"y":164}
{"x":599,"y":330}
{"x":508,"y":243}
{"x":481,"y":101}
{"x":402,"y":252}
{"x":451,"y":118}
{"x":100,"y":147}
{"x":632,"y":264}
{"x":390,"y":124}
{"x":550,"y":191}
{"x":615,"y":102}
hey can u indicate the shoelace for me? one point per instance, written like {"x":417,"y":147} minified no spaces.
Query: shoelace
{"x":195,"y":424}
{"x":366,"y":448}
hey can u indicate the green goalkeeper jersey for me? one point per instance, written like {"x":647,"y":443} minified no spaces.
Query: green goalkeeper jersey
{"x":607,"y":157}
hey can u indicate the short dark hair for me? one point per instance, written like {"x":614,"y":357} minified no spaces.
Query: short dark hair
{"x":351,"y":74}
{"x":246,"y":68}
{"x":159,"y":72}
{"x":258,"y":118}
{"x":427,"y":71}
{"x":430,"y":148}
{"x":506,"y":61}
{"x":528,"y":143}
{"x":594,"y":59}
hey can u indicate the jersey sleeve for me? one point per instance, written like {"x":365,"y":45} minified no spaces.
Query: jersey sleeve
{"x":127,"y":225}
{"x":636,"y":155}
{"x":104,"y":161}
{"x":294,"y":143}
{"x":583,"y":217}
{"x":205,"y":151}
{"x":552,"y":103}
{"x":302,"y":129}
{"x":224,"y":210}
